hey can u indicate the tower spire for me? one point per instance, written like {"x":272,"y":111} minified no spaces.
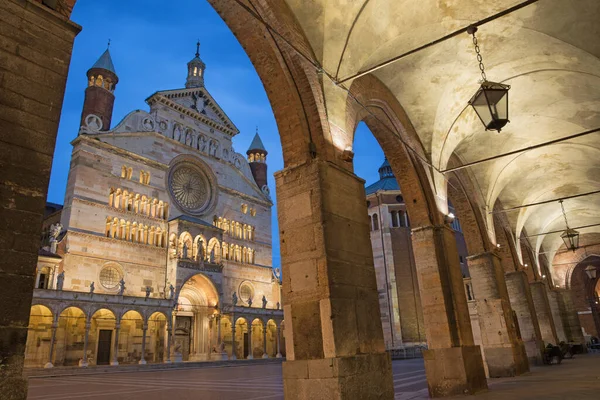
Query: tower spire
{"x":195,"y":76}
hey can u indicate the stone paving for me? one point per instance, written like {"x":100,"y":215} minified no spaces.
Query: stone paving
{"x":578,"y":378}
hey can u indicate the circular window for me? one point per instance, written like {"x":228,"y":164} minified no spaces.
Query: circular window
{"x":110,"y":277}
{"x":400,"y":199}
{"x":246,"y":291}
{"x":191,"y":187}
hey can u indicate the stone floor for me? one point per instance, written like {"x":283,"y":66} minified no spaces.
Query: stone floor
{"x":574,"y":379}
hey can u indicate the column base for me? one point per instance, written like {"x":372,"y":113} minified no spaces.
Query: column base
{"x":178,"y":357}
{"x":142,"y":362}
{"x":250,"y":357}
{"x":233,"y":357}
{"x":83,"y":363}
{"x":278,"y":355}
{"x":49,"y":365}
{"x":362,"y":377}
{"x":535,"y":352}
{"x":454,"y":371}
{"x":505,"y":362}
{"x":115,"y":363}
{"x":265,"y":355}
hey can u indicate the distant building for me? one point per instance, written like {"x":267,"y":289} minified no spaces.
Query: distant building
{"x":162,"y":251}
{"x":399,"y":300}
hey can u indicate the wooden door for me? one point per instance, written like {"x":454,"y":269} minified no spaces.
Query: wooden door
{"x":104,"y":341}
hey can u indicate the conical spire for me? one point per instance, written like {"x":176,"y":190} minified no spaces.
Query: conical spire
{"x":257,"y":144}
{"x":105,"y":62}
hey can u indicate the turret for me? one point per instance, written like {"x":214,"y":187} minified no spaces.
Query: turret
{"x":257,"y":158}
{"x":99,"y":94}
{"x":196,"y":67}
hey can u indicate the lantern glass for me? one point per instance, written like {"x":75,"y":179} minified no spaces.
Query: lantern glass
{"x":571,"y":239}
{"x":491,"y":105}
{"x":591,"y":272}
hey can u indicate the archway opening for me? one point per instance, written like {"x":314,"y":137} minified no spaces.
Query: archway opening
{"x":39,"y":334}
{"x":130,"y":338}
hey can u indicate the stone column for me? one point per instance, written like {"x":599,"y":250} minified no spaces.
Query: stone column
{"x":115,"y":358}
{"x":233,"y":356}
{"x":250,"y":355}
{"x":335,"y":347}
{"x":453,"y":362}
{"x":278,"y":327}
{"x":519,"y":293}
{"x":144,"y":330}
{"x":84,"y":361}
{"x":265,"y":355}
{"x":570,"y":318}
{"x":52,"y":340}
{"x":36,"y":52}
{"x":504,"y":351}
{"x":169,"y":330}
{"x":556,"y":315}
{"x":544,"y":315}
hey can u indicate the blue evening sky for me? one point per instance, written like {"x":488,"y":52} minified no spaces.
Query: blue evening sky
{"x":151,"y":43}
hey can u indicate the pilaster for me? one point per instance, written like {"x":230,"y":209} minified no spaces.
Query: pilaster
{"x":453,"y":363}
{"x":334,"y":339}
{"x":521,"y":301}
{"x":504,"y":350}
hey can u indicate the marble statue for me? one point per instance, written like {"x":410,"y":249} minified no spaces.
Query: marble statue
{"x":278,"y":305}
{"x":171,"y":292}
{"x":264,"y":302}
{"x":235,"y":299}
{"x":250,"y":302}
{"x":148,"y":291}
{"x":121,"y":287}
{"x":92,"y":288}
{"x":60,"y":281}
{"x":184,"y":251}
{"x":55,"y":230}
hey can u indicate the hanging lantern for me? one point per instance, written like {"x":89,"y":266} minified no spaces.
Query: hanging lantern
{"x":591,"y":272}
{"x":570,"y":236}
{"x":490,"y":102}
{"x":571,"y":239}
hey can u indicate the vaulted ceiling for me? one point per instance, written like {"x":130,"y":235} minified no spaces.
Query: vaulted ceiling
{"x":548,"y":51}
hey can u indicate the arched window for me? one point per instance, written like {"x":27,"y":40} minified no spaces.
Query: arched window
{"x":402,"y":218}
{"x":375,"y":222}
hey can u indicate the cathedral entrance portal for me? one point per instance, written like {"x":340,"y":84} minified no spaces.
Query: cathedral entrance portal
{"x":183,"y":326}
{"x":197,"y":303}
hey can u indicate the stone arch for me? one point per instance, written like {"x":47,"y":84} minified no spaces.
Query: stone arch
{"x":213,"y":252}
{"x":132,"y":322}
{"x":156,"y":337}
{"x":185,"y":245}
{"x":585,"y":293}
{"x":37,"y":350}
{"x":71,"y":327}
{"x":257,"y":340}
{"x":241,"y":350}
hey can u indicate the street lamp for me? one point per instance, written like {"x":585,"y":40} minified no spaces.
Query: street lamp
{"x":569,"y":236}
{"x":490,"y":102}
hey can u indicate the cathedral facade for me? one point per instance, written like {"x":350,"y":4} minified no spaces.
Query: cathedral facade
{"x":162,"y":251}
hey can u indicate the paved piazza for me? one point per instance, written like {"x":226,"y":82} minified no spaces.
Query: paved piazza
{"x":250,"y":382}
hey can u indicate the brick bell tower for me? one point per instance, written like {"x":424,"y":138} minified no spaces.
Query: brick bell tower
{"x":99,"y":94}
{"x":257,"y":158}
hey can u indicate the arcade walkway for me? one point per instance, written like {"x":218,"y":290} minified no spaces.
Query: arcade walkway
{"x":574,"y":379}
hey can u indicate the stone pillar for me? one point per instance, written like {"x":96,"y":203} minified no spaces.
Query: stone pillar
{"x":278,"y":338}
{"x":570,"y":318}
{"x":36,"y":52}
{"x":335,"y":347}
{"x":544,"y":315}
{"x":169,"y":329}
{"x":233,"y":356}
{"x":504,"y":351}
{"x":556,"y":315}
{"x":265,"y":355}
{"x":519,"y":293}
{"x":144,"y":330}
{"x":84,"y":361}
{"x":115,"y":358}
{"x":453,"y":362}
{"x":250,"y":355}
{"x":52,"y":340}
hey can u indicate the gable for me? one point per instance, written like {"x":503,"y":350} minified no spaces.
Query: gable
{"x":198,"y":103}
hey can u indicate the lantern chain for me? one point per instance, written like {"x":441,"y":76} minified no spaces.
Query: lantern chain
{"x":564,"y":214}
{"x":479,"y":58}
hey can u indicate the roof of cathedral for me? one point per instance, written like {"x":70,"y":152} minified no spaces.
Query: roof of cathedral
{"x":387,"y":180}
{"x":257,"y":144}
{"x":105,"y":62}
